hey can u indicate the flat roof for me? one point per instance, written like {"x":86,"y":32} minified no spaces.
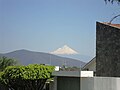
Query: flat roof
{"x":67,"y":73}
{"x":73,"y":73}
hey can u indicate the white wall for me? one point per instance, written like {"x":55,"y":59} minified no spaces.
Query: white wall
{"x":87,"y":83}
{"x":100,"y":83}
{"x":86,"y":73}
{"x":91,"y":66}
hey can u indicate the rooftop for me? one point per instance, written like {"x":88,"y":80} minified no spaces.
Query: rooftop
{"x":73,"y":73}
{"x":113,"y":25}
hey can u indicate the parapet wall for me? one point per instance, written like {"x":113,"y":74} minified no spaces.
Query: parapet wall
{"x":100,"y":83}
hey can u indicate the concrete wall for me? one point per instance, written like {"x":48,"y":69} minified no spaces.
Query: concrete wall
{"x":87,"y":84}
{"x":68,"y":83}
{"x":107,"y":50}
{"x":100,"y":83}
{"x":53,"y":84}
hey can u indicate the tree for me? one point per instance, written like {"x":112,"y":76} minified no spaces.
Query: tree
{"x":74,"y":68}
{"x":31,"y":77}
{"x":4,"y":62}
{"x":3,"y":86}
{"x":114,"y":18}
{"x":118,"y":1}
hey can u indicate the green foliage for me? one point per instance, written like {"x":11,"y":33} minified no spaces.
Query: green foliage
{"x":4,"y":62}
{"x":3,"y":85}
{"x":33,"y":71}
{"x":31,"y":77}
{"x":1,"y":73}
{"x":1,"y":79}
{"x":74,"y":68}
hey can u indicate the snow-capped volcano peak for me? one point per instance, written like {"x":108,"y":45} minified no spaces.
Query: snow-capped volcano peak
{"x":64,"y":50}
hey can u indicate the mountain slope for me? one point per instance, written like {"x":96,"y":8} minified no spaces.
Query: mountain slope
{"x":26,"y":57}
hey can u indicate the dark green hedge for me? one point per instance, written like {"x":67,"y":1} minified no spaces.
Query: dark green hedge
{"x":31,"y":77}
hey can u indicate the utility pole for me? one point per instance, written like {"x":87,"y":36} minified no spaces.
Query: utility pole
{"x":50,"y":59}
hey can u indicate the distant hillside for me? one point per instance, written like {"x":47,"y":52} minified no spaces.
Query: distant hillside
{"x":26,"y":57}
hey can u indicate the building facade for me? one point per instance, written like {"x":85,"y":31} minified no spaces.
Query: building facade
{"x":90,"y":66}
{"x":107,"y":50}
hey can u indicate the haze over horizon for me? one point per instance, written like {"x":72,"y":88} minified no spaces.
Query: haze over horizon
{"x":44,"y":25}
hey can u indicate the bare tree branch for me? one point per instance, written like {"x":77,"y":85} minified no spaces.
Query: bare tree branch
{"x":114,"y":18}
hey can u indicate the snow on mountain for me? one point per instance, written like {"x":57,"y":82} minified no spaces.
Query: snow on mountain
{"x":65,"y":50}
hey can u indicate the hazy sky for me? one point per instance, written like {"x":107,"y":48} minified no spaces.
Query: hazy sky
{"x":45,"y":25}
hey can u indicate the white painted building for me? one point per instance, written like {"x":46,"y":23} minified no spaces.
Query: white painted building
{"x":90,"y":66}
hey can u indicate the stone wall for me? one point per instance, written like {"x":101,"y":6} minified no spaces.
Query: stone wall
{"x":107,"y":50}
